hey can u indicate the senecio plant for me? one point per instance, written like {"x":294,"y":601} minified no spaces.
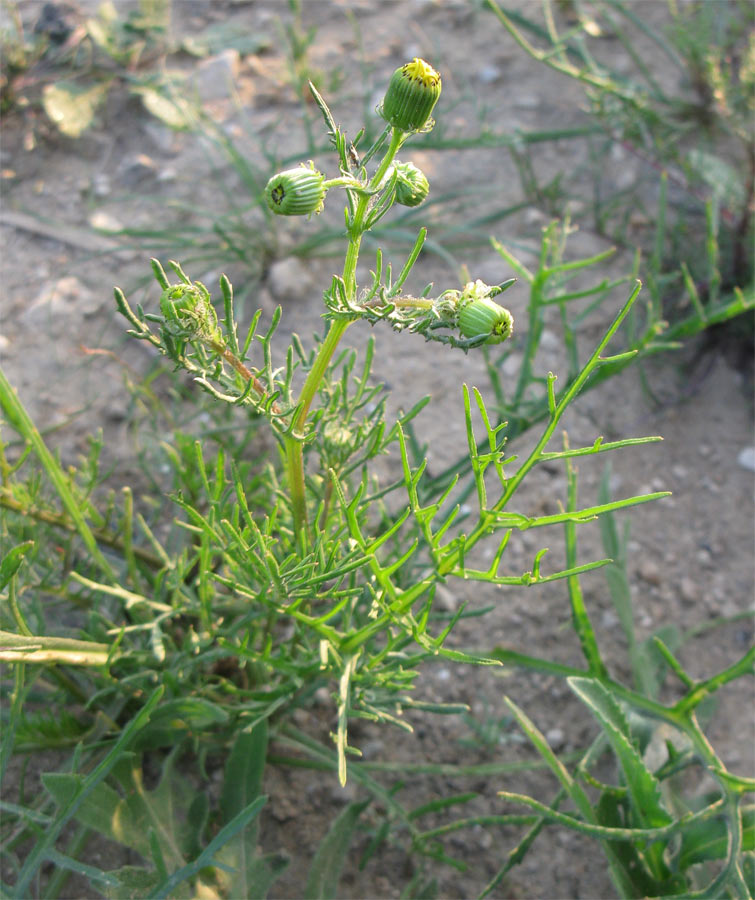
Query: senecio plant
{"x":325,"y":579}
{"x":463,"y":318}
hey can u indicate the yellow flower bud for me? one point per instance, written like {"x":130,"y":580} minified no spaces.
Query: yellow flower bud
{"x":412,"y":93}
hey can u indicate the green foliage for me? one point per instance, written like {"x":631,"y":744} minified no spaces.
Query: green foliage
{"x":693,"y":131}
{"x":308,"y":574}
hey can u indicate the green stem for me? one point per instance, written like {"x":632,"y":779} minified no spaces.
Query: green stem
{"x":337,"y":329}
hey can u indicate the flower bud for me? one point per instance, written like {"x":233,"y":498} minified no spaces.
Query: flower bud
{"x":412,"y":93}
{"x":485,"y":316}
{"x":189,"y":313}
{"x":411,"y":185}
{"x":478,"y":314}
{"x":296,"y":192}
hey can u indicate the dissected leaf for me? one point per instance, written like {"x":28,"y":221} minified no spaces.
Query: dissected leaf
{"x":643,"y":787}
{"x":634,"y":877}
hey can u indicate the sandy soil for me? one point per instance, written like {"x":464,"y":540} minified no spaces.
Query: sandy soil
{"x":691,"y":556}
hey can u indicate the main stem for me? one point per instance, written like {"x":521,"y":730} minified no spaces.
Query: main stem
{"x":337,"y":329}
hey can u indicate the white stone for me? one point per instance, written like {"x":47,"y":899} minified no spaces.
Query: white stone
{"x":489,"y":74}
{"x":215,"y":76}
{"x":104,"y":221}
{"x":512,"y":365}
{"x":549,"y":341}
{"x":289,"y":280}
{"x":526,"y":101}
{"x":746,"y":458}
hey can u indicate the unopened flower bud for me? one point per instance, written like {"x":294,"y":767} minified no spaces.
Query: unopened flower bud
{"x":412,"y":93}
{"x":411,"y":185}
{"x":485,"y":316}
{"x":296,"y":192}
{"x":478,"y":314}
{"x":189,"y":313}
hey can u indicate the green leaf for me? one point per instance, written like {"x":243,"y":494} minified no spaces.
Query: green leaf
{"x":322,"y":883}
{"x":104,"y":810}
{"x":243,"y":771}
{"x":710,"y":839}
{"x":167,"y":888}
{"x":131,"y":819}
{"x":19,"y":419}
{"x":644,"y":790}
{"x":252,"y":874}
{"x":12,"y":561}
{"x":633,"y":876}
{"x":133,"y":884}
{"x":88,"y":785}
{"x":184,"y":715}
{"x":72,"y":107}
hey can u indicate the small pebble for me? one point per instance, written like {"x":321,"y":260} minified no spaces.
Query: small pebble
{"x":489,"y":74}
{"x":526,"y":101}
{"x":65,"y":297}
{"x":101,"y":185}
{"x":215,"y":76}
{"x":512,"y":365}
{"x":746,"y":458}
{"x":445,"y":599}
{"x":289,"y":280}
{"x":103,"y":221}
{"x":534,"y":216}
{"x":549,"y":341}
{"x":649,"y":572}
{"x":556,"y":738}
{"x":689,"y":590}
{"x":137,"y":169}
